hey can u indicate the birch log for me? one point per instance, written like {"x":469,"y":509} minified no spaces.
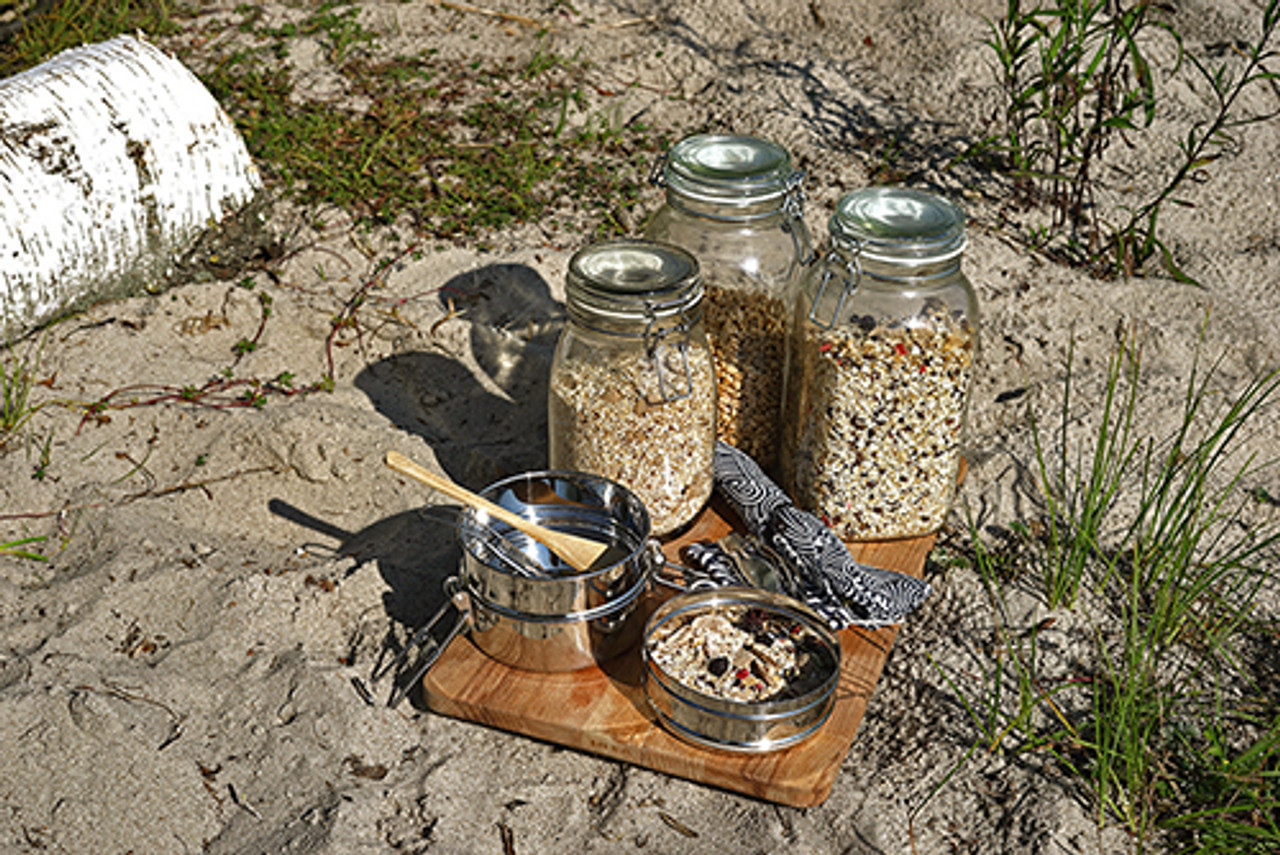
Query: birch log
{"x":113,"y":159}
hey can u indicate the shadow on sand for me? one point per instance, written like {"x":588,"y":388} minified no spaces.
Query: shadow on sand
{"x":483,"y":421}
{"x":486,"y":420}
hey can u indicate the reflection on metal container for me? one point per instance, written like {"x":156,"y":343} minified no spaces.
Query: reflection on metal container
{"x":567,"y":619}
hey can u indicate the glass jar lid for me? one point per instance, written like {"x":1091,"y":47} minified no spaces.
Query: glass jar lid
{"x":633,"y":280}
{"x":726,"y":169}
{"x":894,"y":225}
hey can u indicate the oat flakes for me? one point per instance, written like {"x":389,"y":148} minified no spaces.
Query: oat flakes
{"x":612,"y":421}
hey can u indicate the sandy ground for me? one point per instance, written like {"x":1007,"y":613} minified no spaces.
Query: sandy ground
{"x":177,"y":678}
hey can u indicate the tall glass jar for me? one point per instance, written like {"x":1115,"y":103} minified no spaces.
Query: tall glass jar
{"x":735,"y":203}
{"x":633,"y":395}
{"x":880,"y":363}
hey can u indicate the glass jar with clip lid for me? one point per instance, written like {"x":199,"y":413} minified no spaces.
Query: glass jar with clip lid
{"x":735,"y":203}
{"x":632,"y":390}
{"x":880,"y":362}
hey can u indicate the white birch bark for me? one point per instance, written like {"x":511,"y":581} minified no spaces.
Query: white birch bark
{"x":113,"y":158}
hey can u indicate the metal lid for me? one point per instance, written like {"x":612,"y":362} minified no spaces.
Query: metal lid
{"x":899,"y":226}
{"x":728,"y":169}
{"x":633,"y":280}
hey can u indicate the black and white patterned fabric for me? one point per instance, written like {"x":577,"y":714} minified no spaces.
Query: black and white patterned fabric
{"x":823,"y":573}
{"x":710,"y":565}
{"x":738,"y":560}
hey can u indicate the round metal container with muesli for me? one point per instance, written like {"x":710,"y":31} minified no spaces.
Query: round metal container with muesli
{"x":740,"y":669}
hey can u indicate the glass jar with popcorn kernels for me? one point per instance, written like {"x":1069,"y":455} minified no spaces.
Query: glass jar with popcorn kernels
{"x":735,"y":203}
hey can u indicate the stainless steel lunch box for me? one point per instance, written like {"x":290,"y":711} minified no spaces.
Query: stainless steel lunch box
{"x":736,"y":725}
{"x":563,"y":620}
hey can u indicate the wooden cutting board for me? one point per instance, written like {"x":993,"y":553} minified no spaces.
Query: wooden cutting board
{"x":602,"y":710}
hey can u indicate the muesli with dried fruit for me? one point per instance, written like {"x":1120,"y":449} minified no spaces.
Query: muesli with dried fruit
{"x":741,"y":653}
{"x":875,"y":451}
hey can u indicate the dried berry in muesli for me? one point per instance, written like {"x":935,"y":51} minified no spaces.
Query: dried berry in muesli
{"x":741,"y":653}
{"x":875,"y":448}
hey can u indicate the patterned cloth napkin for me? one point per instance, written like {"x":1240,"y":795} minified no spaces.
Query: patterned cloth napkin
{"x":811,"y":563}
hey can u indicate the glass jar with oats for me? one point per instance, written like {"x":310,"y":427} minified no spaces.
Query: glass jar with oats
{"x":633,"y":392}
{"x":735,"y":203}
{"x":880,"y":363}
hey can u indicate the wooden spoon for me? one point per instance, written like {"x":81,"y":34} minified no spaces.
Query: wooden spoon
{"x":578,"y":552}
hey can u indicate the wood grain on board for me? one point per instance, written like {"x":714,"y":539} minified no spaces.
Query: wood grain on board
{"x":602,"y":710}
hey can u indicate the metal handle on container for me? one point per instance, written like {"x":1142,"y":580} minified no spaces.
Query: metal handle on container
{"x":668,"y":574}
{"x":674,"y":575}
{"x":853,"y":273}
{"x":459,"y":600}
{"x":658,"y":172}
{"x":793,"y":218}
{"x":653,"y":338}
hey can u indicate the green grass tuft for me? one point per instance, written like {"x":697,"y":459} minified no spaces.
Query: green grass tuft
{"x":71,"y":23}
{"x":17,"y":381}
{"x":1164,"y":720}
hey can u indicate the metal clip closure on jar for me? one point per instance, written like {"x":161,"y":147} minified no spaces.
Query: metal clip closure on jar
{"x":853,"y":272}
{"x":637,"y":289}
{"x":655,"y":334}
{"x":793,"y":220}
{"x":896,"y":234}
{"x":632,"y":392}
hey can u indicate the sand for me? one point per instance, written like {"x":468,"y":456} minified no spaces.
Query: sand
{"x":178,"y":676}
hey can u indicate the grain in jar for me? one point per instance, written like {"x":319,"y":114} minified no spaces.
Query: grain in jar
{"x":632,"y":390}
{"x":734,"y":202}
{"x":881,"y":362}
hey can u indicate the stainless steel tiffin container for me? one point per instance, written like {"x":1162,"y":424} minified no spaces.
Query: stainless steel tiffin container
{"x":701,"y":715}
{"x":525,"y":608}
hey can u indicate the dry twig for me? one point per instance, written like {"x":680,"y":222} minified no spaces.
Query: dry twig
{"x":491,"y":13}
